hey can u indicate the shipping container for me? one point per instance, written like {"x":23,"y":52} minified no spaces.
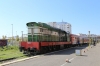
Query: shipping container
{"x":3,"y":42}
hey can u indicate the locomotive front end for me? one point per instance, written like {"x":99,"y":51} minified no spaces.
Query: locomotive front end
{"x":32,"y":45}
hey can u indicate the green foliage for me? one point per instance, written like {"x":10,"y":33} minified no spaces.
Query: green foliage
{"x":6,"y":48}
{"x":10,"y":52}
{"x":13,"y":38}
{"x":17,"y":38}
{"x":4,"y":37}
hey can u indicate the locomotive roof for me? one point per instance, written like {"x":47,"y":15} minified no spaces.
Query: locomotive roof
{"x":44,"y":25}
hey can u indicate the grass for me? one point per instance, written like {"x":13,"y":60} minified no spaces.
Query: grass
{"x":10,"y":52}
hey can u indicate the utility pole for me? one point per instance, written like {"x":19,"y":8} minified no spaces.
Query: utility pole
{"x":89,"y":39}
{"x":22,"y":35}
{"x":12,"y":34}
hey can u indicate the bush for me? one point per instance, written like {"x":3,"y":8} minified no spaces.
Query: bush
{"x":5,"y":48}
{"x":1,"y":49}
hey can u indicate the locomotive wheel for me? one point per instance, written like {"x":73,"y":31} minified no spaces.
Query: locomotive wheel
{"x":28,"y":53}
{"x":35,"y":52}
{"x":24,"y":52}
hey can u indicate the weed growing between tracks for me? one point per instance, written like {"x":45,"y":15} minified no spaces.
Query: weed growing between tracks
{"x":10,"y":52}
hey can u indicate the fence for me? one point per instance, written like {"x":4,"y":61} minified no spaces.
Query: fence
{"x":16,"y":42}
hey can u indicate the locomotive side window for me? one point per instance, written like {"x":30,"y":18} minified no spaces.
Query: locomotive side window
{"x":41,"y":30}
{"x":36,"y":30}
{"x":29,"y":30}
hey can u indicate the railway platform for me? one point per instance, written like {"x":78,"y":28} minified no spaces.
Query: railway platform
{"x":91,"y":57}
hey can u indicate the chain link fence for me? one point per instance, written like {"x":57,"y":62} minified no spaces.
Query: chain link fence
{"x":16,"y":40}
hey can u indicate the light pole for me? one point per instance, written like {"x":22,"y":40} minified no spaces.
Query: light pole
{"x":16,"y":33}
{"x":96,"y":39}
{"x":89,"y":39}
{"x":12,"y":34}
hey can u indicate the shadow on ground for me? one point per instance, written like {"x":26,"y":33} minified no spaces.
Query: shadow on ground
{"x":68,"y":51}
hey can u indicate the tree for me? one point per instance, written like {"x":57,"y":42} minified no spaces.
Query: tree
{"x":13,"y":38}
{"x":17,"y":38}
{"x":4,"y":37}
{"x":9,"y":40}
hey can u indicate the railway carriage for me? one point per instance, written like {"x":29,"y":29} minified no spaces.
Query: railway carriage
{"x":83,"y":38}
{"x":79,"y":39}
{"x":75,"y":39}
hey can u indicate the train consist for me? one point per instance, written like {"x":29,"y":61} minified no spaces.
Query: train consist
{"x":44,"y":38}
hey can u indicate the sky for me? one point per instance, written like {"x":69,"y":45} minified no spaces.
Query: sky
{"x":83,"y":15}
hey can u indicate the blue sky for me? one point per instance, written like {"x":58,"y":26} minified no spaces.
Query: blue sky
{"x":84,"y":15}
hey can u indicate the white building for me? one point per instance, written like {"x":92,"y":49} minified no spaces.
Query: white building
{"x":61,"y":25}
{"x":82,"y":35}
{"x":53,"y":24}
